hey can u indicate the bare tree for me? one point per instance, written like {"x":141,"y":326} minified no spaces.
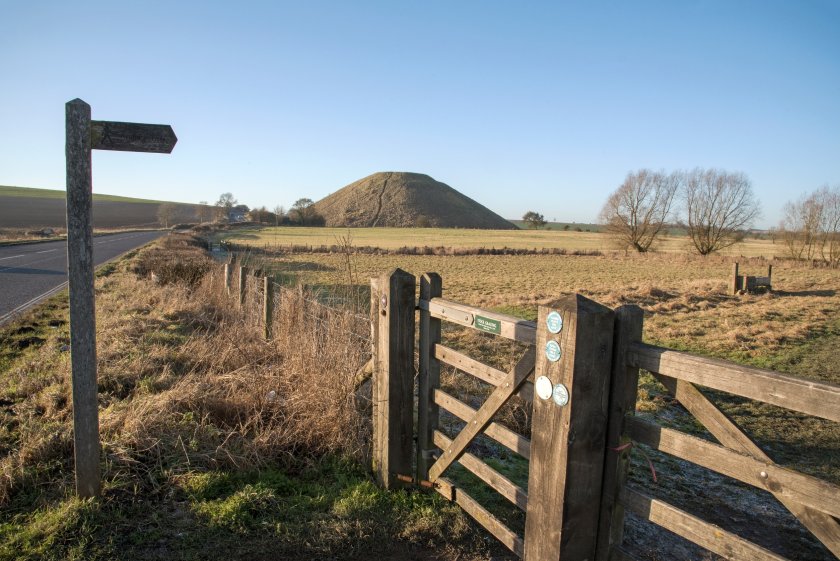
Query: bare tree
{"x":636,"y":213}
{"x":830,"y":224}
{"x":800,"y":226}
{"x":720,"y":205}
{"x":279,"y":213}
{"x":810,"y":227}
{"x":166,"y":214}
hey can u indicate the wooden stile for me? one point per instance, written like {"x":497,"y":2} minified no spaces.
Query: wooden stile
{"x":567,"y":443}
{"x":392,"y":308}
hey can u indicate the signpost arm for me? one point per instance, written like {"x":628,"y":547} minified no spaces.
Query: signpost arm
{"x":82,"y":312}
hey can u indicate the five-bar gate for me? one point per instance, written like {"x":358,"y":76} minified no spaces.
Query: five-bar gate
{"x":580,"y":371}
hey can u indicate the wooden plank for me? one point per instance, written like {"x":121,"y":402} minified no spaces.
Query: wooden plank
{"x":501,"y":484}
{"x":132,"y":137}
{"x":500,"y":433}
{"x":428,"y":376}
{"x":82,"y":299}
{"x":824,"y":527}
{"x":480,"y":370}
{"x":780,"y":481}
{"x":510,"y":327}
{"x":568,"y":442}
{"x":623,"y":393}
{"x":712,"y":537}
{"x":481,"y":515}
{"x":819,"y":399}
{"x":482,"y":418}
{"x":392,"y":303}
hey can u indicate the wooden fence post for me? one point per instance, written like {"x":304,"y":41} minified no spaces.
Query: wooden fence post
{"x":623,"y":393}
{"x":428,"y":377}
{"x":82,"y":307}
{"x":568,"y":429}
{"x":735,"y":282}
{"x":268,"y":307}
{"x":227,"y":277}
{"x":243,"y":276}
{"x":392,"y":305}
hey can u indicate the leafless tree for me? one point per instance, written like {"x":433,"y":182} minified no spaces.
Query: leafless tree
{"x":720,"y":205}
{"x":166,"y":214}
{"x":636,"y":213}
{"x":810,"y":226}
{"x":800,"y":226}
{"x":830,"y":224}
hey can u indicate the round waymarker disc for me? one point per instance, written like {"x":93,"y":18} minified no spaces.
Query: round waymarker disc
{"x":544,"y":387}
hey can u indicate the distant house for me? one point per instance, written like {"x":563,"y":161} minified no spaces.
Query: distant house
{"x":237,"y":215}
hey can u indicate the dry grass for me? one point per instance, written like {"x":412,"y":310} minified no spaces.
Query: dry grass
{"x":199,"y":412}
{"x":395,"y":238}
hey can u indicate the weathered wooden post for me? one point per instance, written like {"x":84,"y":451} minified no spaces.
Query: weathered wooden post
{"x":392,"y":309}
{"x":82,"y":136}
{"x":623,"y":393}
{"x":227,"y":277}
{"x":735,"y":283}
{"x":82,"y":307}
{"x":428,"y":377}
{"x":268,"y":307}
{"x":568,"y":429}
{"x":243,"y":277}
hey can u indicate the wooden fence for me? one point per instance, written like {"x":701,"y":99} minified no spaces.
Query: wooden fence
{"x":580,"y":369}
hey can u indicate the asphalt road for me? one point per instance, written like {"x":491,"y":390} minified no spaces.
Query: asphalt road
{"x":31,"y":272}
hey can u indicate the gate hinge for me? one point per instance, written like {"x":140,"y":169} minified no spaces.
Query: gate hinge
{"x":413,"y":481}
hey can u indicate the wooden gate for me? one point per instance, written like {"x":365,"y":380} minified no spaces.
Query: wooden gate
{"x":581,"y":371}
{"x":567,"y":446}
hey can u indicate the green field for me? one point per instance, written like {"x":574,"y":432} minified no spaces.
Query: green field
{"x":394,"y":238}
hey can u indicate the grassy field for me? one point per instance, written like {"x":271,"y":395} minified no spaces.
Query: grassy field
{"x":394,"y":238}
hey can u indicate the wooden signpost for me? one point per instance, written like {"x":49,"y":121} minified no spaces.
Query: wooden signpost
{"x":82,"y":135}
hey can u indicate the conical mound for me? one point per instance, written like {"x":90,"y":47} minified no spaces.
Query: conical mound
{"x":402,"y":200}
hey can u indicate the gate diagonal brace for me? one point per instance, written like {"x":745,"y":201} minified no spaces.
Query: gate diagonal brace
{"x":510,"y":385}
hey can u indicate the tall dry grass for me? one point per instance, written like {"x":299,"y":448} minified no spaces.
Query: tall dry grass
{"x":187,"y":382}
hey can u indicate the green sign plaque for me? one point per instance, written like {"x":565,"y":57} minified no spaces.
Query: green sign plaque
{"x":488,"y":325}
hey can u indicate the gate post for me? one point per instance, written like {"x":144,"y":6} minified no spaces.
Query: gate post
{"x":428,"y":377}
{"x":568,"y":429}
{"x":623,"y":393}
{"x":392,"y":311}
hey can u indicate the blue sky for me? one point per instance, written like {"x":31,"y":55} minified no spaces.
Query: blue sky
{"x":521,"y":106}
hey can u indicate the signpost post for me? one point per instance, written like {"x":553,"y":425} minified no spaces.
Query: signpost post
{"x":82,"y":135}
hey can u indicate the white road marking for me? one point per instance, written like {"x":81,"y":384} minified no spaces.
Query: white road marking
{"x":13,"y":256}
{"x":47,"y":251}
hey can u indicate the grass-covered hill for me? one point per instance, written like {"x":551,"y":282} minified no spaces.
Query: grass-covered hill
{"x":23,"y":207}
{"x":401,"y":199}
